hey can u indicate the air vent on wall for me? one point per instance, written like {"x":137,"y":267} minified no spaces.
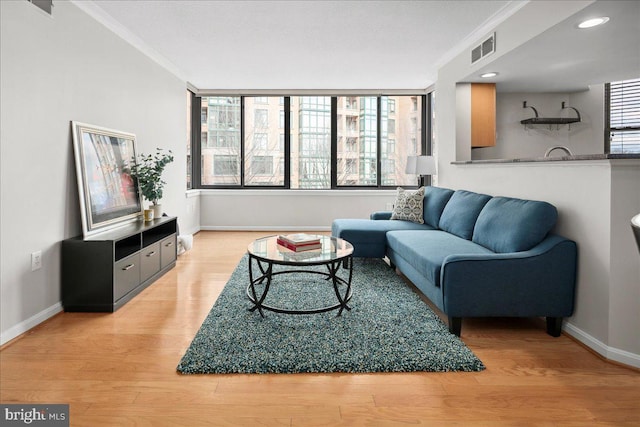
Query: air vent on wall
{"x":46,"y":5}
{"x":485,"y":48}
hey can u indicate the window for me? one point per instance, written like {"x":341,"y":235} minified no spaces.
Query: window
{"x":357,"y":142}
{"x":391,"y":146}
{"x":220,"y":141}
{"x":350,"y":166}
{"x":403,"y":116}
{"x":261,"y":118}
{"x":391,"y":126}
{"x":262,"y":165}
{"x":622,"y":117}
{"x":311,"y":142}
{"x":190,"y":97}
{"x":260,"y":139}
{"x":225,"y":165}
{"x":352,"y":145}
{"x":308,"y":142}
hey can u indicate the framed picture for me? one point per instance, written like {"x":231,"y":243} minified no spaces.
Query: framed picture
{"x":109,"y":194}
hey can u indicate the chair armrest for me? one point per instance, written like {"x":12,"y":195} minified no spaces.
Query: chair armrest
{"x":537,"y":282}
{"x":381,"y":215}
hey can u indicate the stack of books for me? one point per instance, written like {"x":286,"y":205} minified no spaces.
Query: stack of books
{"x":299,"y":242}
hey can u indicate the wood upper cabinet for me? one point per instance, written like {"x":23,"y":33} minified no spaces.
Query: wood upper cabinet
{"x":483,"y":114}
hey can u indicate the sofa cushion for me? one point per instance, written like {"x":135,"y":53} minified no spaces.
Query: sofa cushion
{"x":435,"y":199}
{"x":426,"y":250}
{"x":461,"y":212}
{"x":369,"y":237}
{"x":408,"y":205}
{"x":512,"y":225}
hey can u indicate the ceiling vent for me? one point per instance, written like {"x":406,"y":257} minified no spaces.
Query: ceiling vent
{"x":485,"y":48}
{"x":46,"y":5}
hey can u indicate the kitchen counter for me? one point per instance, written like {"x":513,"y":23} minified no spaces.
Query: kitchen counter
{"x":552,"y":159}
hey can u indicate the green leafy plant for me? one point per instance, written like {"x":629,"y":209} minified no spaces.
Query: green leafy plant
{"x":148,"y":170}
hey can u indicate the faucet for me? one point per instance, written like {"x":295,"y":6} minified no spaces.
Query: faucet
{"x":558,"y":147}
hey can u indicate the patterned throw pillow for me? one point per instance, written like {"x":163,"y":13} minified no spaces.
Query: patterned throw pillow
{"x":408,"y":205}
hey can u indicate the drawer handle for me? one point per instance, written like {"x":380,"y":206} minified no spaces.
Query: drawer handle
{"x":168,"y":244}
{"x":128,"y":267}
{"x":152,"y":253}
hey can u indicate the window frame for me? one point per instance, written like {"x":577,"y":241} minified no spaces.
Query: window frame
{"x":607,"y":115}
{"x":425,"y":143}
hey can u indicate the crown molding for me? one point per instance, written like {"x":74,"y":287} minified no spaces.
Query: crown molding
{"x":306,"y":92}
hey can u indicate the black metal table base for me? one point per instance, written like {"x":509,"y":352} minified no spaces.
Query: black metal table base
{"x":267,"y":274}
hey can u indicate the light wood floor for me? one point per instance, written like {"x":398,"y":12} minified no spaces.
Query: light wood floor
{"x":119,"y":370}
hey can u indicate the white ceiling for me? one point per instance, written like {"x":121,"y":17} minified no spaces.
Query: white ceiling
{"x":302,"y":44}
{"x":567,"y":59}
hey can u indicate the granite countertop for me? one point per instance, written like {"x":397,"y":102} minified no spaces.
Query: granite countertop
{"x":552,"y":159}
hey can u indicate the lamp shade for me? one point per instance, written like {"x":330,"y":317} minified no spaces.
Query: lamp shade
{"x":425,"y":165}
{"x":411,"y":165}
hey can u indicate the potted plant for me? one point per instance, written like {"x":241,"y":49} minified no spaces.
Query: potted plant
{"x":148,"y":170}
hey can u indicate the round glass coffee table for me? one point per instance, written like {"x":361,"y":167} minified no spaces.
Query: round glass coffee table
{"x":264,"y":253}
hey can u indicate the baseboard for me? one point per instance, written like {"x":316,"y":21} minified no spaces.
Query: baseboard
{"x":263,"y":228}
{"x":31,"y":322}
{"x":609,"y":353}
{"x":192,"y":230}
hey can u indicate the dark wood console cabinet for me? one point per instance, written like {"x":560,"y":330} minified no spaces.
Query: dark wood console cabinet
{"x":103,"y":272}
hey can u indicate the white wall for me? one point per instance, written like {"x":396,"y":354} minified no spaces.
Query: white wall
{"x":589,"y":196}
{"x":55,"y":70}
{"x":514,"y":141}
{"x":624,"y":300}
{"x":287,"y":209}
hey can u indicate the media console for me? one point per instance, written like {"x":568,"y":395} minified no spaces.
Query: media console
{"x":103,"y":272}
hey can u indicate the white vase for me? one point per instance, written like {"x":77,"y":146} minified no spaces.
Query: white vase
{"x":157,"y":210}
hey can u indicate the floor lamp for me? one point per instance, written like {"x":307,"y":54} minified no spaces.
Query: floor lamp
{"x":423,"y":167}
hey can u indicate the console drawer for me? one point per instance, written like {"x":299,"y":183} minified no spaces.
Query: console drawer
{"x":126,"y":275}
{"x":149,"y":261}
{"x":168,"y":250}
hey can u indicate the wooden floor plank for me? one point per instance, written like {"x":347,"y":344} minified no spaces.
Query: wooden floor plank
{"x":120,"y":369}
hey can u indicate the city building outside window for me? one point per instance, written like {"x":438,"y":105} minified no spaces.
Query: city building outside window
{"x":288,"y":142}
{"x":311,"y":142}
{"x":263,"y":123}
{"x":221,"y":150}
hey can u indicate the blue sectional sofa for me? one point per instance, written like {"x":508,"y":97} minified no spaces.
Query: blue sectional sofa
{"x":476,"y":255}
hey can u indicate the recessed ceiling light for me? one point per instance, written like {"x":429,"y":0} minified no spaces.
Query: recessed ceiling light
{"x":487,"y":75}
{"x":594,"y":22}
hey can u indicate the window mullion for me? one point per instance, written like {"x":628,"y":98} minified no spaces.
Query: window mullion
{"x":242,"y":150}
{"x":334,"y":142}
{"x":287,"y":142}
{"x":426,"y":129}
{"x":622,"y":122}
{"x":379,"y":141}
{"x":196,"y":141}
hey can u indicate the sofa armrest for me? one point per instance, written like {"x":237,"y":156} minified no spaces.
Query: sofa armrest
{"x":381,"y":215}
{"x":537,"y":282}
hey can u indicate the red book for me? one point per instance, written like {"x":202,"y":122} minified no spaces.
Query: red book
{"x":300,"y":247}
{"x":300,"y":239}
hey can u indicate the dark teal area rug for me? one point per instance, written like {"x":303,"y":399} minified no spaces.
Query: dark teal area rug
{"x":388,"y":329}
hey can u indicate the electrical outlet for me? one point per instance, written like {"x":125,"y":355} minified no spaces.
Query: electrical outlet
{"x":36,"y":260}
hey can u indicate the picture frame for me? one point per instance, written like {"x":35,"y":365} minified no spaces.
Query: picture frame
{"x":109,"y":194}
